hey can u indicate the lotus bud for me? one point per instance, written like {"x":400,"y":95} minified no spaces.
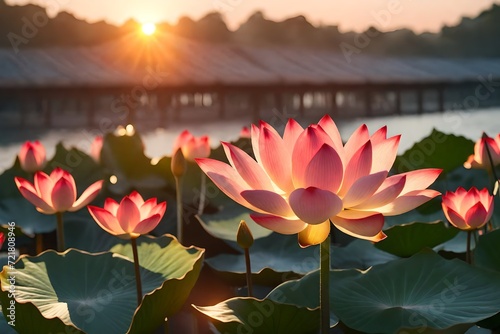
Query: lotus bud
{"x":178,"y":164}
{"x":244,"y":236}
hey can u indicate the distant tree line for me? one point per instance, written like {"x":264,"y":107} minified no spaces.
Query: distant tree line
{"x":29,"y":26}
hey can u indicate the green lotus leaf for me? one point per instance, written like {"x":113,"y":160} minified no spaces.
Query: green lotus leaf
{"x":95,"y":293}
{"x":359,"y":254}
{"x":274,"y":259}
{"x":278,"y":258}
{"x":486,"y":255}
{"x":250,"y":315}
{"x":224,"y":224}
{"x":409,"y":239}
{"x":437,"y":150}
{"x":487,"y":252}
{"x":421,"y":294}
{"x":304,"y":292}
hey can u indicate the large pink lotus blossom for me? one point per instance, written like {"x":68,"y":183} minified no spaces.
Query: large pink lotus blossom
{"x":95,"y":148}
{"x":131,"y":218}
{"x":301,"y":182}
{"x":468,"y":210}
{"x":480,"y":158}
{"x":192,"y":147}
{"x":32,"y":156}
{"x":56,"y":192}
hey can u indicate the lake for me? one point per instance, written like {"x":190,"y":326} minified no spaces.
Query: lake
{"x":159,"y":142}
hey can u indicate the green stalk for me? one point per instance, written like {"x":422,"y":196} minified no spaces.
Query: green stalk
{"x":60,"y":232}
{"x":249,"y":272}
{"x":468,"y":255}
{"x":203,"y":190}
{"x":138,"y":283}
{"x":39,"y":243}
{"x":324,"y":286}
{"x":180,"y":229}
{"x":492,"y":165}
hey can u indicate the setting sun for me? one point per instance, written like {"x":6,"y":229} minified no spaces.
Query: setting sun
{"x":148,"y":28}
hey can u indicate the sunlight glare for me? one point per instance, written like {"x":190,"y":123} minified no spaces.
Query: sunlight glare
{"x":148,"y":28}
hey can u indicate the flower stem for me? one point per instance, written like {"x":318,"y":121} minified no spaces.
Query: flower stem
{"x":138,"y":283}
{"x":249,"y":272}
{"x":203,"y":191}
{"x":60,"y":232}
{"x":490,"y":158}
{"x":180,"y":229}
{"x":324,"y":287}
{"x":468,"y":255}
{"x":38,"y":243}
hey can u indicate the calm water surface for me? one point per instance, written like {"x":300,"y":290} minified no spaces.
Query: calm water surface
{"x":159,"y":142}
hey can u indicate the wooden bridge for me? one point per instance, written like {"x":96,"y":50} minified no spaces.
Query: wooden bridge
{"x":164,"y":79}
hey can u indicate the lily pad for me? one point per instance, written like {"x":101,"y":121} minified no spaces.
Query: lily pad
{"x":359,"y":254}
{"x":438,"y":150}
{"x":274,"y":259}
{"x":95,"y":293}
{"x":487,"y":252}
{"x":304,"y":292}
{"x":224,"y":224}
{"x":409,"y":239}
{"x":421,"y":294}
{"x":250,"y":315}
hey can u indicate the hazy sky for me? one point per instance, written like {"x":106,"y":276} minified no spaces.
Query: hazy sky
{"x":420,"y":15}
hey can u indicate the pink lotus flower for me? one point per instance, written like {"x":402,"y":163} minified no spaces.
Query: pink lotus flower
{"x":245,"y":132}
{"x":2,"y":239}
{"x":480,"y":157}
{"x":468,"y":210}
{"x":131,"y":218}
{"x":192,"y":147}
{"x":308,"y":178}
{"x":32,"y":156}
{"x":56,"y":192}
{"x":95,"y":148}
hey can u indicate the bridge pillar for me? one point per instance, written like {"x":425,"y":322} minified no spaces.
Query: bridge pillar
{"x":399,"y":109}
{"x":420,"y":101}
{"x":255,"y":107}
{"x":164,"y":100}
{"x":441,"y":98}
{"x":334,"y":107}
{"x":368,"y":102}
{"x":176,"y":106}
{"x":301,"y":104}
{"x":221,"y":99}
{"x":45,"y":107}
{"x":278,"y":101}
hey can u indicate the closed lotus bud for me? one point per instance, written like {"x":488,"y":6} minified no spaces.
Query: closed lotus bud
{"x":32,"y":156}
{"x":192,"y":147}
{"x":178,"y":164}
{"x":244,"y":236}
